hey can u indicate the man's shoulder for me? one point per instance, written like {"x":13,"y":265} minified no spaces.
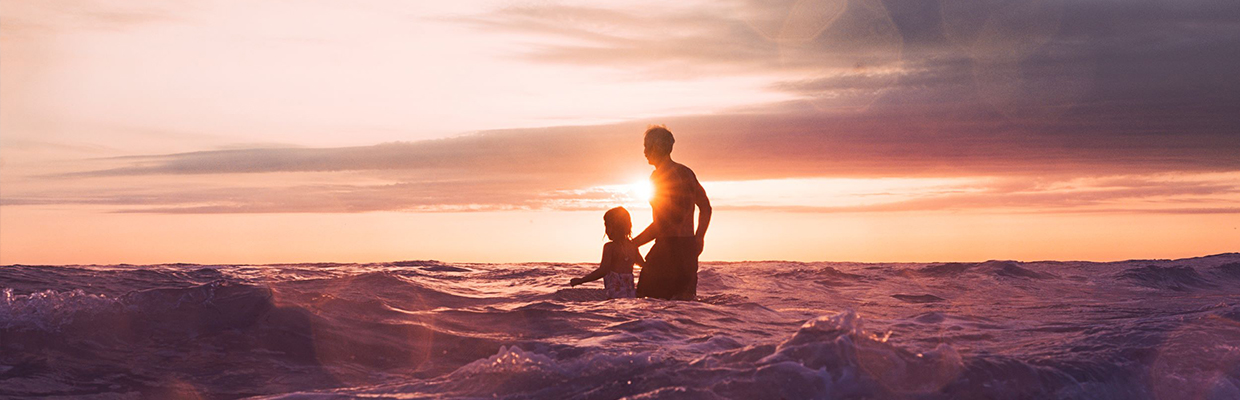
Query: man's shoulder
{"x":684,"y":171}
{"x":674,"y":171}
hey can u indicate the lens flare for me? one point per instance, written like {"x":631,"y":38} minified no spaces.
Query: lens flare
{"x":642,"y":190}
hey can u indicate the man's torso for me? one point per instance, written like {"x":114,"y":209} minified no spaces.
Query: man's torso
{"x":675,"y":186}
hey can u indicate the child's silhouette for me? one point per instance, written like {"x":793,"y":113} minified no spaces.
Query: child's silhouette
{"x":619,"y":255}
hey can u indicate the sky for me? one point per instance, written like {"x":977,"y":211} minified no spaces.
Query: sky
{"x":271,"y":131}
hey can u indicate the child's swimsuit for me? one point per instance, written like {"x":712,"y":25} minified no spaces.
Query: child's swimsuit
{"x":619,"y":286}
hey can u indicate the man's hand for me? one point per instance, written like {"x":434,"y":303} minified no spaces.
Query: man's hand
{"x":575,"y":282}
{"x":701,"y":242}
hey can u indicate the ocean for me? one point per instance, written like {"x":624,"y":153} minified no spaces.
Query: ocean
{"x":1139,"y":329}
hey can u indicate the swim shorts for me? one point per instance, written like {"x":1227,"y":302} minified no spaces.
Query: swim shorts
{"x":671,"y":270}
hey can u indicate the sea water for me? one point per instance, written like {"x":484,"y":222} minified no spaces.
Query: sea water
{"x":1141,"y":329}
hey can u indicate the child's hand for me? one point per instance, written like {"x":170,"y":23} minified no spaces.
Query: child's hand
{"x":575,"y":282}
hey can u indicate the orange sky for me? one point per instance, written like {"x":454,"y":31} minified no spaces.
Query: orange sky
{"x":489,"y":131}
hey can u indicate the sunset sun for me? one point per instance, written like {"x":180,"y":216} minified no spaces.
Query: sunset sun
{"x":641,"y":190}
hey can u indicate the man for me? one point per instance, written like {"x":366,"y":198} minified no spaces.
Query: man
{"x":672,"y":263}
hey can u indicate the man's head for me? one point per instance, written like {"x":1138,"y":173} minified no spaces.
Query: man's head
{"x":658,"y":144}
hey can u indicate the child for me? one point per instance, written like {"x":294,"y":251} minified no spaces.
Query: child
{"x":619,"y":255}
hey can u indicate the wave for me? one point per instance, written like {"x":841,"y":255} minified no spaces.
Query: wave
{"x":1178,"y":278}
{"x":944,"y":270}
{"x":826,"y":276}
{"x":1011,"y":269}
{"x":580,"y":295}
{"x":917,"y":298}
{"x":117,"y":281}
{"x":216,"y":305}
{"x":265,"y":334}
{"x":400,"y":289}
{"x":827,"y":357}
{"x":1229,"y":270}
{"x":1006,"y":269}
{"x":430,"y":265}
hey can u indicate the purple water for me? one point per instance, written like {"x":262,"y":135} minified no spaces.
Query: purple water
{"x":1144,"y":329}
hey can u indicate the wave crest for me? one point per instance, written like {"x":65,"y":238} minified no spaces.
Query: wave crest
{"x":1176,"y":278}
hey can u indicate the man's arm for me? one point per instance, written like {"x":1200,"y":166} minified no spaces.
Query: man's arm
{"x":647,"y":235}
{"x":703,"y":205}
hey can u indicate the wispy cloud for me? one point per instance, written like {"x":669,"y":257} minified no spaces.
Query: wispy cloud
{"x":776,"y":38}
{"x":22,"y":17}
{"x":761,"y":146}
{"x":1156,"y":193}
{"x":554,"y":168}
{"x":1159,"y":194}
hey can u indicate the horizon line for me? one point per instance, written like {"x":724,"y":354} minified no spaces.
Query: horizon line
{"x":432,"y":261}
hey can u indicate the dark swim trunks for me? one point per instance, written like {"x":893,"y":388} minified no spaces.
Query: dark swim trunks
{"x":671,"y":270}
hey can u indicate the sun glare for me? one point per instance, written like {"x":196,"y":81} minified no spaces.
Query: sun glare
{"x":642,"y":190}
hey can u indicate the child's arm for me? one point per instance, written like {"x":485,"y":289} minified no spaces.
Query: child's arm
{"x":604,"y":266}
{"x":637,"y":257}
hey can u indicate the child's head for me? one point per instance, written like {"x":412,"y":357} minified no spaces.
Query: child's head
{"x":618,"y":224}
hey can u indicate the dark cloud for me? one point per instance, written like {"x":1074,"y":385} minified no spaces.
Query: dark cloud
{"x":1025,"y":59}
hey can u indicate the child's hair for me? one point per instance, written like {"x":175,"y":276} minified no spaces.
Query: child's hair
{"x":618,"y":223}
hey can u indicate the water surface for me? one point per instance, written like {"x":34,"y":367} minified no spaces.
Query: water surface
{"x":1142,"y":329}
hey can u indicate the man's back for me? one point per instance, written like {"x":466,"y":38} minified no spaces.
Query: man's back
{"x":675,"y":191}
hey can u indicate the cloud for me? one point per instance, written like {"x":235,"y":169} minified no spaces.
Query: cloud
{"x":718,"y":38}
{"x":1026,"y":90}
{"x":1027,"y":59}
{"x":1217,"y":194}
{"x":422,"y":196}
{"x":1176,"y":193}
{"x":882,"y":142}
{"x":561,"y":157}
{"x":662,"y":40}
{"x":22,"y":17}
{"x":554,"y":168}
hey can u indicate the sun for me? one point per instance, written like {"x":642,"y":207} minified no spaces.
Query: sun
{"x":642,"y":190}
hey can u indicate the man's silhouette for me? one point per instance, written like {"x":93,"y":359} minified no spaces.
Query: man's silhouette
{"x":672,"y":263}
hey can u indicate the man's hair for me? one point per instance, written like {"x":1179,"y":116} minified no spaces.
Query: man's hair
{"x":661,"y":137}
